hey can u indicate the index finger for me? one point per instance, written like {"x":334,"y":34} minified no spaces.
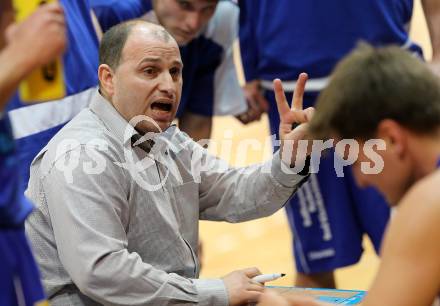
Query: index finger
{"x":298,"y":94}
{"x":251,"y":272}
{"x":280,"y":97}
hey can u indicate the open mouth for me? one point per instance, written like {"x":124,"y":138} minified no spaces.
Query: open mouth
{"x":162,"y":106}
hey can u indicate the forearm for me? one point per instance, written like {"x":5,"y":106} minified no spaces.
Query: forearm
{"x":432,"y":13}
{"x":13,"y":69}
{"x":249,"y":193}
{"x":121,"y":278}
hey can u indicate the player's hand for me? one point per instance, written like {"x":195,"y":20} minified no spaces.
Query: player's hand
{"x":293,"y":120}
{"x":257,"y":104}
{"x":39,"y":38}
{"x":272,"y":298}
{"x":241,"y":289}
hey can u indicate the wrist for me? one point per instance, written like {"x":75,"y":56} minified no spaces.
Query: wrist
{"x":287,"y":176}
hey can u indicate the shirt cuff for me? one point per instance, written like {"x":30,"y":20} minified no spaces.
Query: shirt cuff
{"x":284,"y":175}
{"x":211,"y":292}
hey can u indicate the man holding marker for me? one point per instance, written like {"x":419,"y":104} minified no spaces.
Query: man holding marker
{"x":403,"y":98}
{"x":141,"y":250}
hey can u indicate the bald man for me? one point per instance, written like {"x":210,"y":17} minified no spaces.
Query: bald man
{"x":120,"y":190}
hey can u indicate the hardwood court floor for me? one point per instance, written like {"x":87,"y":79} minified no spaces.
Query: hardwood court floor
{"x":266,"y":243}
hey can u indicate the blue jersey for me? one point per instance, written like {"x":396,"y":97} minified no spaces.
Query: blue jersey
{"x":280,"y":39}
{"x":14,"y":207}
{"x":34,"y":124}
{"x":20,"y":280}
{"x":210,"y":84}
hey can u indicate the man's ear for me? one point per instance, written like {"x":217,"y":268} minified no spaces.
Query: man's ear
{"x":394,"y":135}
{"x":105,"y":75}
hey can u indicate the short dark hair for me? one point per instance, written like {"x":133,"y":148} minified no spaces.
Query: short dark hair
{"x":372,"y":84}
{"x":113,"y":41}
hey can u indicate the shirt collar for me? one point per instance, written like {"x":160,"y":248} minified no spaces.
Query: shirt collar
{"x":126,"y":134}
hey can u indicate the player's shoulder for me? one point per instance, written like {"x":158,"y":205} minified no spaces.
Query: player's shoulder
{"x":223,"y":26}
{"x":424,"y":197}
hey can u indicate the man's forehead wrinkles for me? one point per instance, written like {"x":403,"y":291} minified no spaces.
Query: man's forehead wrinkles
{"x":153,"y":53}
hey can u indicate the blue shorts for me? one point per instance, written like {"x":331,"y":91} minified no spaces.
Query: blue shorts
{"x":329,"y":215}
{"x":19,"y":276}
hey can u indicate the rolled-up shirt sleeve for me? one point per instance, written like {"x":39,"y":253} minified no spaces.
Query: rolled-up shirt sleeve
{"x":90,"y":216}
{"x":242,"y":194}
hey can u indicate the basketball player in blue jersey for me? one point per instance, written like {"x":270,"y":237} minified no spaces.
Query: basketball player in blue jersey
{"x":403,"y":99}
{"x":30,"y":44}
{"x":205,"y":31}
{"x":330,"y":214}
{"x":34,"y":124}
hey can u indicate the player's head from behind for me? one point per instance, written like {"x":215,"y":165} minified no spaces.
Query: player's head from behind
{"x":184,"y":19}
{"x":386,"y":94}
{"x":140,"y":73}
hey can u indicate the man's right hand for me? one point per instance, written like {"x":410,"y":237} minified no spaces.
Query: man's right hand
{"x":40,"y":38}
{"x":241,"y":289}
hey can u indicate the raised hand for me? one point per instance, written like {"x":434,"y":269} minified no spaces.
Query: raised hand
{"x":41,"y":37}
{"x":293,"y":120}
{"x":29,"y":44}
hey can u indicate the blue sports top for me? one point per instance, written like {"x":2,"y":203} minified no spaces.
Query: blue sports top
{"x":280,"y":39}
{"x":34,"y":124}
{"x":14,"y":207}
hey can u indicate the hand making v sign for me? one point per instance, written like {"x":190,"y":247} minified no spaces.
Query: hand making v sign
{"x":293,"y":121}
